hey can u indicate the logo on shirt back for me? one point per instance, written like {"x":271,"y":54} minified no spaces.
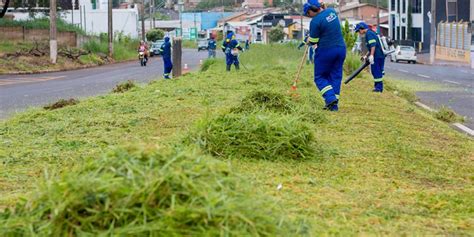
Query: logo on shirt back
{"x":332,"y":16}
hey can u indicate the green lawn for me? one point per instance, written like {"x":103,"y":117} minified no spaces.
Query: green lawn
{"x":381,"y":166}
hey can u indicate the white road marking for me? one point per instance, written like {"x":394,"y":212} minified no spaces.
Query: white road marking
{"x":452,"y":82}
{"x":464,"y":129}
{"x":401,"y":70}
{"x":421,"y":75}
{"x":464,"y":71}
{"x":425,"y":106}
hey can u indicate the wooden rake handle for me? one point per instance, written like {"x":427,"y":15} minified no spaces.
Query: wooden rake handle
{"x":297,"y":77}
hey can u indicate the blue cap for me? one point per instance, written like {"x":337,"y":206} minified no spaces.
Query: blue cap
{"x":361,"y":26}
{"x":306,"y":8}
{"x":230,"y":34}
{"x":167,"y":38}
{"x":314,"y":3}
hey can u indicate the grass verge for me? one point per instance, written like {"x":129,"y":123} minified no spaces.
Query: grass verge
{"x":387,"y":168}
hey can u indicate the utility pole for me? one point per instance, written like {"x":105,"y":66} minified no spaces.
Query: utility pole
{"x":143,"y":20}
{"x":150,"y":6}
{"x":53,"y":43}
{"x":433,"y":31}
{"x":378,"y":17}
{"x":195,"y":27}
{"x":111,"y":30}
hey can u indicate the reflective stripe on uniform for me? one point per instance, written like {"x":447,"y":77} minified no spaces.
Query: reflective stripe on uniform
{"x":223,"y":46}
{"x":372,"y":41}
{"x":238,"y":45}
{"x":326,"y":89}
{"x":337,"y":96}
{"x":313,"y":40}
{"x":378,"y":79}
{"x":160,"y":50}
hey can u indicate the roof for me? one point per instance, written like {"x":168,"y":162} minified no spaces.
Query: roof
{"x":359,"y":5}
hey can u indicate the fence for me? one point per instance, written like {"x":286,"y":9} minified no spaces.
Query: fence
{"x":453,"y":41}
{"x":22,"y":34}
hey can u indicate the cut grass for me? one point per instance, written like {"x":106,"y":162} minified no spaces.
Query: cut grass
{"x":61,"y":103}
{"x":388,"y":169}
{"x":123,"y":87}
{"x":255,"y":136}
{"x":448,"y":115}
{"x":140,"y":192}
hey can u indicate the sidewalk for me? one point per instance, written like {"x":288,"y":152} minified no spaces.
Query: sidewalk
{"x":424,"y":58}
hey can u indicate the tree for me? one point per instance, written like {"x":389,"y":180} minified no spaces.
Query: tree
{"x":154,"y":35}
{"x":349,"y":37}
{"x":276,"y":34}
{"x":5,"y":7}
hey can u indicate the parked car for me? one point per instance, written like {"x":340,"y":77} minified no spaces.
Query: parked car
{"x":202,"y":44}
{"x":404,"y":53}
{"x":155,"y":48}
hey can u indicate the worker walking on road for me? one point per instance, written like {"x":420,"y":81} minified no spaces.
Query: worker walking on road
{"x":211,"y":47}
{"x":325,"y":36}
{"x":166,"y":54}
{"x":376,"y":56}
{"x":231,"y":48}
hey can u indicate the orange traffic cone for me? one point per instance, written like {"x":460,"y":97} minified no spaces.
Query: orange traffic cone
{"x":185,"y":69}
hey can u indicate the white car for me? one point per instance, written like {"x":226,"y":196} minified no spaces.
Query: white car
{"x":404,"y":53}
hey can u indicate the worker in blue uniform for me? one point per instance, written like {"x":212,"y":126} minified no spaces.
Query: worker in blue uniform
{"x":325,"y":36}
{"x":376,"y":56}
{"x":310,"y":58}
{"x":211,"y":47}
{"x":231,"y":48}
{"x":166,"y":54}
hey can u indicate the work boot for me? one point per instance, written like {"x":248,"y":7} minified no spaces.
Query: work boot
{"x":332,"y":106}
{"x":237,"y":67}
{"x":228,"y":67}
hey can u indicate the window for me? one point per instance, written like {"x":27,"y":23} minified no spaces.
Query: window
{"x":393,"y":26}
{"x":398,"y":5}
{"x":392,"y":5}
{"x":398,"y":32}
{"x":416,"y":34}
{"x":452,"y":10}
{"x":403,"y":32}
{"x":404,"y":6}
{"x":416,"y":6}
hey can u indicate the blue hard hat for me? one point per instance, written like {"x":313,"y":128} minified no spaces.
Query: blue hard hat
{"x":230,"y":34}
{"x":361,"y":26}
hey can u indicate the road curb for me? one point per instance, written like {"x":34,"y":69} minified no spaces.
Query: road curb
{"x":64,"y":70}
{"x":457,"y":126}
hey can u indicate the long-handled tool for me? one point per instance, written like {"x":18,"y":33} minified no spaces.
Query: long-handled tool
{"x":298,"y":73}
{"x":356,"y":72}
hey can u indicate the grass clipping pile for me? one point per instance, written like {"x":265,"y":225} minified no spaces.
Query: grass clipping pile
{"x":265,"y":125}
{"x":141,"y":192}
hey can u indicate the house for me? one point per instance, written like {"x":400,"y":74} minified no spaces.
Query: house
{"x":409,"y":20}
{"x":262,"y":26}
{"x":360,"y":11}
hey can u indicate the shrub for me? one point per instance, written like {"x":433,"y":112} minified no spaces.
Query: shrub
{"x":276,"y":34}
{"x":61,"y":103}
{"x":352,"y":63}
{"x":254,"y":136}
{"x":138,"y":192}
{"x":154,"y":35}
{"x":123,"y":87}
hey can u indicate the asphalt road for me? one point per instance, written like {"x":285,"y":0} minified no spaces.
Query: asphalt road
{"x":19,"y":92}
{"x":456,"y":86}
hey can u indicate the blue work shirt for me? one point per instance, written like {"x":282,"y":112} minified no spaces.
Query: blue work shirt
{"x":166,"y":49}
{"x":229,"y":44}
{"x":372,"y":40}
{"x":325,"y":30}
{"x":212,"y":44}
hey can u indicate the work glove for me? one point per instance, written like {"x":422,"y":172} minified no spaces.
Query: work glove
{"x":371,"y":59}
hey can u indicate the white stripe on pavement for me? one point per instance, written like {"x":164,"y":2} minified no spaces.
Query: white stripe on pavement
{"x":453,"y":82}
{"x":464,"y":128}
{"x":421,"y":75}
{"x":401,"y":70}
{"x":425,"y":106}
